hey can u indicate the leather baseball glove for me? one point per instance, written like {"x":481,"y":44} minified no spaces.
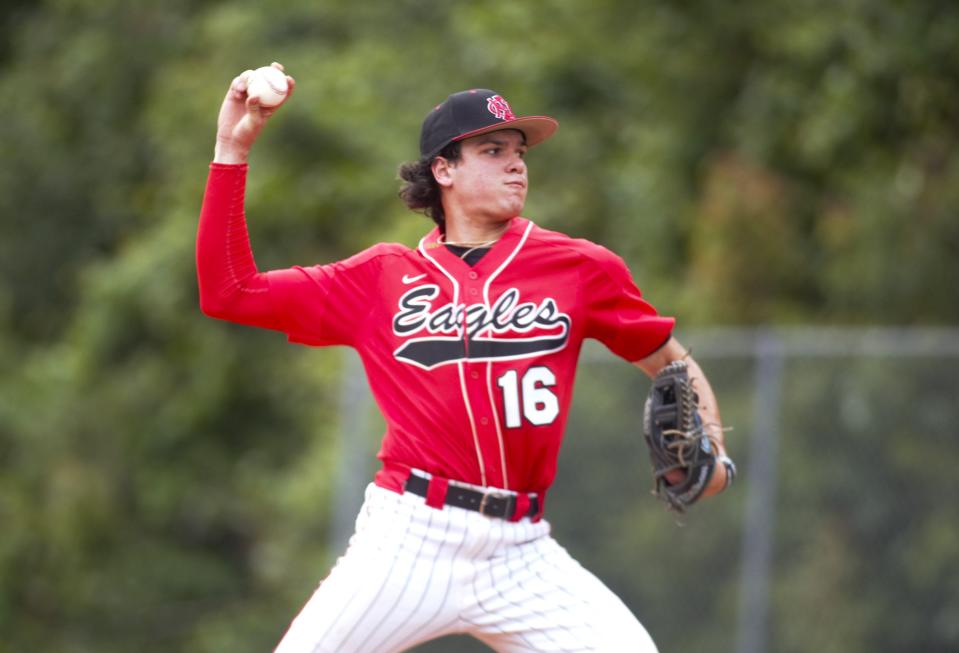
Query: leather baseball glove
{"x":677,"y":441}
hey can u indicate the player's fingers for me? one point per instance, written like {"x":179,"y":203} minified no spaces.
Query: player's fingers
{"x":239,"y":85}
{"x":235,"y":91}
{"x":256,"y":112}
{"x":278,"y":66}
{"x":675,"y":476}
{"x":242,"y":80}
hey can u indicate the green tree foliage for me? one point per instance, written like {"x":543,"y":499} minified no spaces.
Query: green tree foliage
{"x":165,"y":479}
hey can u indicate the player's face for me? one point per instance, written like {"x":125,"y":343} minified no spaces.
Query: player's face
{"x":489,"y":181}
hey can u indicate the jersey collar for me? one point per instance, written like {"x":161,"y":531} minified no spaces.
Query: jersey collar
{"x":499,"y":252}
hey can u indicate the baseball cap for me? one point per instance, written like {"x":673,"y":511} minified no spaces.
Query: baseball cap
{"x":474,"y":112}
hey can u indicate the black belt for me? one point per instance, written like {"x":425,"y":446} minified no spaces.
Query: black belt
{"x":494,"y":503}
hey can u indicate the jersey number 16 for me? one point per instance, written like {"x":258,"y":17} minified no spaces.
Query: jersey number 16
{"x":540,"y":405}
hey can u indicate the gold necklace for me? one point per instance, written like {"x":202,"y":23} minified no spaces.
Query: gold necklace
{"x":470,"y":246}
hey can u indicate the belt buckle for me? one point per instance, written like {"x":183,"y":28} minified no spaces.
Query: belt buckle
{"x":498,"y":494}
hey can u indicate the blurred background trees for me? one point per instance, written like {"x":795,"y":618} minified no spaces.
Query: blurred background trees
{"x":165,"y":481}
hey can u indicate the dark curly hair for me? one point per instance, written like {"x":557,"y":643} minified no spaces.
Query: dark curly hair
{"x":420,"y":190}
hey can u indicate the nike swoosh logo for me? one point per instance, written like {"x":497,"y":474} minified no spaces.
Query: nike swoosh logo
{"x":407,"y":279}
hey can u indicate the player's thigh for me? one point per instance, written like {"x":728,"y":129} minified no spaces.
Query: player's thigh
{"x":540,"y":599}
{"x":388,"y":591}
{"x":362,"y":606}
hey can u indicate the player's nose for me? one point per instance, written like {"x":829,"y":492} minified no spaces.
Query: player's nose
{"x":516,"y":164}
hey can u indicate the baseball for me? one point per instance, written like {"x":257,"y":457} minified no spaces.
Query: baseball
{"x":268,"y":84}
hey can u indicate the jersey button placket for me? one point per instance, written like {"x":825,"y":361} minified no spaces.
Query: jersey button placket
{"x":478,"y":391}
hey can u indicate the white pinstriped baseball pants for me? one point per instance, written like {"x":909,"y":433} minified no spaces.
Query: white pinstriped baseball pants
{"x":412,"y":573}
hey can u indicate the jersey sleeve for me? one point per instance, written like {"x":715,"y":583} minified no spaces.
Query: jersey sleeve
{"x":319,"y":305}
{"x":327,"y":304}
{"x":617,"y":314}
{"x":231,"y":287}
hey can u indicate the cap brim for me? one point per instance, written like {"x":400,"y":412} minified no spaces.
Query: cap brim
{"x":536,"y":128}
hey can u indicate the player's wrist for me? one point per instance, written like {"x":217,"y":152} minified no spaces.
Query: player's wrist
{"x":229,"y":152}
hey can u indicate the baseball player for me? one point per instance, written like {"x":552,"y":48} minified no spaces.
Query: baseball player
{"x":470,"y":343}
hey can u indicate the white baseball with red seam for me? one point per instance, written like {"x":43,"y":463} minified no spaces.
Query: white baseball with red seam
{"x":269,"y":85}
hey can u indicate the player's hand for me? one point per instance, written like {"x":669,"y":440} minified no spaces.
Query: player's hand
{"x":242,"y":119}
{"x":717,"y":483}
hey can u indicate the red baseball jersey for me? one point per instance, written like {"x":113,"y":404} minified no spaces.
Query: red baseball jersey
{"x":472,"y":367}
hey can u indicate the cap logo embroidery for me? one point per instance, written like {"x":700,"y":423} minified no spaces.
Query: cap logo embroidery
{"x":500,"y":108}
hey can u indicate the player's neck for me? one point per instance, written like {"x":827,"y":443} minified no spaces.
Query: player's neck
{"x":468,"y":232}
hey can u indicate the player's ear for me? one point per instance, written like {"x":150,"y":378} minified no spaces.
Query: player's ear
{"x":442,"y":171}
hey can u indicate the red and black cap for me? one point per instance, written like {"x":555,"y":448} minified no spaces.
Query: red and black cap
{"x":475,"y":112}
